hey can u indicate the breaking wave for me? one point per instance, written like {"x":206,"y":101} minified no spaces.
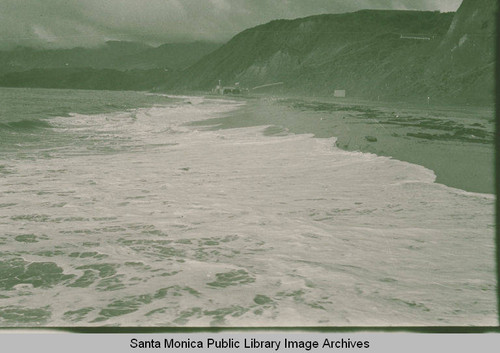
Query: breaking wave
{"x":26,"y":124}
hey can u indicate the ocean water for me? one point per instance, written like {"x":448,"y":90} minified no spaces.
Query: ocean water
{"x":116,"y":210}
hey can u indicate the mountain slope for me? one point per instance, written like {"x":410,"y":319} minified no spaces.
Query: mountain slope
{"x":117,"y":55}
{"x":324,"y":52}
{"x":463,"y":65}
{"x":371,"y":54}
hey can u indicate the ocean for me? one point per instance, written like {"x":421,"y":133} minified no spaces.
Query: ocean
{"x":127,"y":209}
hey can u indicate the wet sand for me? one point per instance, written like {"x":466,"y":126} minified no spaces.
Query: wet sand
{"x":454,"y":142}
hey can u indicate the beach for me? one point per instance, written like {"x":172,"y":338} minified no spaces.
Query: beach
{"x":170,"y":211}
{"x":454,"y":142}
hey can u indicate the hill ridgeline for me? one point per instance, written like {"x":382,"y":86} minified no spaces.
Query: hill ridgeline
{"x":373,"y":54}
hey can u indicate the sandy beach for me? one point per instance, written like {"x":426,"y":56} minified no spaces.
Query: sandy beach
{"x":454,"y":142}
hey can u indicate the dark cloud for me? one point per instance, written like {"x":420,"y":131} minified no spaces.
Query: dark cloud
{"x":69,"y":23}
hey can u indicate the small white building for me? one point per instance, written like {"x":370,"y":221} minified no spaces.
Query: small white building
{"x":219,"y":89}
{"x":340,"y":93}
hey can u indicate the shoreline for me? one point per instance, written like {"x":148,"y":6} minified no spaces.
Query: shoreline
{"x":455,"y":143}
{"x":249,"y":224}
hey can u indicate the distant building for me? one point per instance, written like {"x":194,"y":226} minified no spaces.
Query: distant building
{"x":340,"y":93}
{"x":219,"y":89}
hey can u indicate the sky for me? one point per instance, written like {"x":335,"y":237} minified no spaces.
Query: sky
{"x":71,"y":23}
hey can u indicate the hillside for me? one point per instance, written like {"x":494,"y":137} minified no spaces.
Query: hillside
{"x":463,"y":65}
{"x":372,"y":54}
{"x":116,"y":55}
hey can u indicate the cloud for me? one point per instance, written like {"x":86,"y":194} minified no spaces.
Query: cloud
{"x":69,"y":23}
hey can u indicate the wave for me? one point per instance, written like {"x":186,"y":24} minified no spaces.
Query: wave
{"x":25,"y":124}
{"x":140,"y":195}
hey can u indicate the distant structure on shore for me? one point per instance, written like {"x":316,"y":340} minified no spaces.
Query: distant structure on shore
{"x":339,"y":93}
{"x":235,"y":89}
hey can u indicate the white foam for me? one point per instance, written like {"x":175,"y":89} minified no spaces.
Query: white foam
{"x":330,"y":237}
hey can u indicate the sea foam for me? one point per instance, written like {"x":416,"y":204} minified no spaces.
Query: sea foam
{"x":145,"y":220}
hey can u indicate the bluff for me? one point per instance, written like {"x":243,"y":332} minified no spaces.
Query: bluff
{"x":464,"y":63}
{"x":374,"y":54}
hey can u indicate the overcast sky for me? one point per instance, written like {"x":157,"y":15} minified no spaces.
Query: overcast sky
{"x":70,"y":23}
